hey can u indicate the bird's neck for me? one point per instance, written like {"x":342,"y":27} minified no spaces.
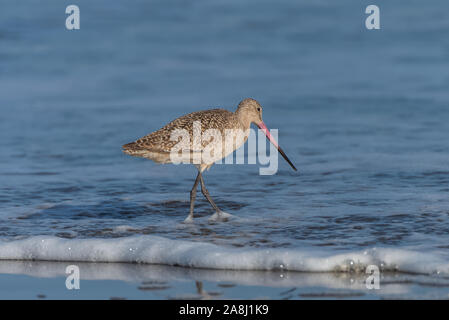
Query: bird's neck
{"x":243,"y":119}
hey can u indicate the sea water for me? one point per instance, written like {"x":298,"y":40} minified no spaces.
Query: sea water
{"x":363,"y":114}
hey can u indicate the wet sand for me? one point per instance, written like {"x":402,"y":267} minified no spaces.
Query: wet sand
{"x":47,"y":280}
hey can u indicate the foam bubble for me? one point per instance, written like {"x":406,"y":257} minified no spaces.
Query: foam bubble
{"x":159,"y":250}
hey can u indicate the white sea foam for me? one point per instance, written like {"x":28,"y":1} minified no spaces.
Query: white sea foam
{"x":123,"y":228}
{"x":159,"y":250}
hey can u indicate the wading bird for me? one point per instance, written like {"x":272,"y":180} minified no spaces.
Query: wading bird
{"x":159,"y":145}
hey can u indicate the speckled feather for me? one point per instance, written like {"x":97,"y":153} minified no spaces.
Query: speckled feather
{"x":159,"y":141}
{"x":158,"y":145}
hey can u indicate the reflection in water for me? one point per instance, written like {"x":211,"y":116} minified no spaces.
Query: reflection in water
{"x":164,"y":282}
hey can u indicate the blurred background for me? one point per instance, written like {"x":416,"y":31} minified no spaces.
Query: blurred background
{"x":362,"y":114}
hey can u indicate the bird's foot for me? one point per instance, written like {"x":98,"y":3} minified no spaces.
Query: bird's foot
{"x":189,"y":219}
{"x":220,"y":216}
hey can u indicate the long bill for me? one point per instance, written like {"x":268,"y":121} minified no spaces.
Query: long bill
{"x":265,"y":130}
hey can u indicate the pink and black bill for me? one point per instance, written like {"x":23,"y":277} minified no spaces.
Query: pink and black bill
{"x":265,"y":130}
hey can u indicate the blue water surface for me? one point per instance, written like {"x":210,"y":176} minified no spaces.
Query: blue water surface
{"x":362,"y":113}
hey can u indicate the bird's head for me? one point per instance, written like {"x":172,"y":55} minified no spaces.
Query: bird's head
{"x":250,"y":111}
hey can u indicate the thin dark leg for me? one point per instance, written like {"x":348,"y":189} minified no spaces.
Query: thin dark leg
{"x":207,"y":195}
{"x":193,"y":196}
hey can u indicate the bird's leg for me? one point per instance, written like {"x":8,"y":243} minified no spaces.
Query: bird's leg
{"x":193,"y":197}
{"x":207,"y":195}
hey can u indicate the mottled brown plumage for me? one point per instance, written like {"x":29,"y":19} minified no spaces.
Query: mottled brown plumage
{"x":159,"y":141}
{"x":158,"y":144}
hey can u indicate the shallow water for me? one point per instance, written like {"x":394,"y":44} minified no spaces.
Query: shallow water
{"x":46,"y":280}
{"x":362,"y":114}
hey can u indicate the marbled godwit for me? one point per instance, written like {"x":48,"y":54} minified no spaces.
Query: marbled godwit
{"x":159,"y":145}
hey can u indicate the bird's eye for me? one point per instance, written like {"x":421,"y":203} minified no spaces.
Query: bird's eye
{"x":258,"y":109}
